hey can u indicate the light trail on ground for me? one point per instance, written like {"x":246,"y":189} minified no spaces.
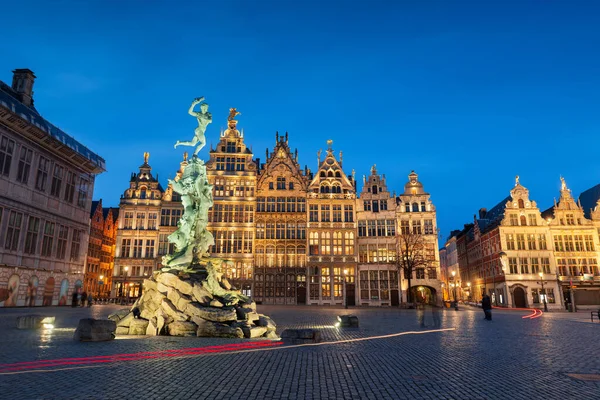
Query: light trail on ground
{"x":234,"y":348}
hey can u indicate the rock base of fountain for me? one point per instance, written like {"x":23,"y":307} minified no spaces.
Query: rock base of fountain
{"x":195,"y":302}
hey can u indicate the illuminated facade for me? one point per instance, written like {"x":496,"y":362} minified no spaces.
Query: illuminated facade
{"x":232,"y":172}
{"x":331,"y":233}
{"x":101,"y":250}
{"x":143,"y":216}
{"x":378,"y":276}
{"x":46,"y":185}
{"x":416,"y":215}
{"x":280,"y":239}
{"x":576,"y":248}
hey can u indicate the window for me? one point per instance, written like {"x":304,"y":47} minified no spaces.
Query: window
{"x":337,"y":213}
{"x":589,"y":243}
{"x":325,"y":214}
{"x":230,"y":147}
{"x":61,"y":245}
{"x":535,"y":266}
{"x":510,"y":242}
{"x":13,"y":230}
{"x":545,"y":265}
{"x":137,"y":248}
{"x":128,"y":220}
{"x":175,"y":217}
{"x":313,"y":213}
{"x":570,"y":219}
{"x":82,"y":193}
{"x":7,"y":147}
{"x":520,"y":241}
{"x":404,"y":228}
{"x":301,"y":234}
{"x":280,"y":183}
{"x":33,"y":229}
{"x":390,"y":227}
{"x":290,"y":230}
{"x":535,"y":296}
{"x":375,"y":205}
{"x":149,"y":248}
{"x":531,"y":241}
{"x":337,"y":243}
{"x":291,"y":185}
{"x":416,"y":225}
{"x":568,"y":243}
{"x":523,"y":220}
{"x":524,"y":265}
{"x":407,"y":207}
{"x":349,"y":243}
{"x":362,"y":228}
{"x":42,"y":174}
{"x":512,"y":264}
{"x":383,"y":205}
{"x":139,"y":221}
{"x":325,"y":243}
{"x":423,"y":209}
{"x":542,"y":241}
{"x":270,"y":230}
{"x":70,"y":187}
{"x":348,"y":213}
{"x":271,"y":186}
{"x":420,"y":272}
{"x":367,"y":205}
{"x":25,"y":157}
{"x":48,"y":239}
{"x":372,"y":228}
{"x":163,"y":244}
{"x":220,"y":163}
{"x":314,"y":243}
{"x":125,"y":248}
{"x":429,"y":227}
{"x":380,"y":227}
{"x":291,"y":204}
{"x":152,"y":219}
{"x":514,"y":220}
{"x":578,"y":243}
{"x":57,"y":178}
{"x":301,"y":202}
{"x":281,"y":204}
{"x":415,"y":207}
{"x":280,"y":230}
{"x":532,"y":220}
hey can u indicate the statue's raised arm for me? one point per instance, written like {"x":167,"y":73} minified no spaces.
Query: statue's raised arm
{"x":204,"y":118}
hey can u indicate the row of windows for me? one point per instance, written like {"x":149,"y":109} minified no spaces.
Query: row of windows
{"x":534,"y":241}
{"x":326,"y":243}
{"x":23,"y":233}
{"x":281,"y":184}
{"x":142,"y":220}
{"x":377,"y":253}
{"x":281,"y":204}
{"x":281,"y":230}
{"x":233,"y":187}
{"x":373,"y":228}
{"x":282,"y":258}
{"x":231,"y":213}
{"x":135,"y":248}
{"x":514,"y":220}
{"x":375,"y":205}
{"x":331,"y":213}
{"x":231,"y":163}
{"x":326,"y":281}
{"x":573,"y":243}
{"x":415,"y":207}
{"x":376,"y":285}
{"x":60,"y":176}
{"x":417,"y":228}
{"x":524,"y":265}
{"x":232,"y":242}
{"x":577,"y":266}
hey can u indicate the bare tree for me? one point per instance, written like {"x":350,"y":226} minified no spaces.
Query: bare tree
{"x":413,"y":254}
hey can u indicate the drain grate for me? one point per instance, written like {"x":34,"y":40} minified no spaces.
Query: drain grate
{"x":586,"y":377}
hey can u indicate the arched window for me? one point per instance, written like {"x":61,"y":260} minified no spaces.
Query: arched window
{"x":322,"y":174}
{"x":325,"y":189}
{"x":337,"y":174}
{"x":415,"y":207}
{"x":521,"y":203}
{"x":523,"y":220}
{"x":330,"y":174}
{"x":336,"y":188}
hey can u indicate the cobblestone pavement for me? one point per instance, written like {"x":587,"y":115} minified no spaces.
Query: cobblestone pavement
{"x":509,"y":357}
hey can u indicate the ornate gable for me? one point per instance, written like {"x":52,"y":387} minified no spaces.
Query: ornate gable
{"x":281,"y":163}
{"x":330,"y":179}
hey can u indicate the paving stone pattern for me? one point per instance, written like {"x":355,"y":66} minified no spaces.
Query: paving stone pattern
{"x":509,"y":357}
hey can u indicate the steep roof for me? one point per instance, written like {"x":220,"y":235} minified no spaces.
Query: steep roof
{"x":94,"y":207}
{"x":589,"y":198}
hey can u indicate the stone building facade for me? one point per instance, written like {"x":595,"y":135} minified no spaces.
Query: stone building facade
{"x":332,"y":252}
{"x":416,"y":215}
{"x":101,"y":250}
{"x":280,"y":238}
{"x":378,"y":277}
{"x":46,"y":185}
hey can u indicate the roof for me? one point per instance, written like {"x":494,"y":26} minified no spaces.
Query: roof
{"x":9,"y":99}
{"x":94,"y":206}
{"x":497,"y":211}
{"x":549,"y":213}
{"x":113,"y":210}
{"x":589,"y":198}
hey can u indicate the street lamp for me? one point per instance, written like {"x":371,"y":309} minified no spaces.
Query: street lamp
{"x":345,"y":299}
{"x":542,"y":282}
{"x":469,"y":290}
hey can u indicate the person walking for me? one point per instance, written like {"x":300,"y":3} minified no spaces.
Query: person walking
{"x":90,"y":300}
{"x":83,"y":299}
{"x":486,"y":305}
{"x":74,"y":298}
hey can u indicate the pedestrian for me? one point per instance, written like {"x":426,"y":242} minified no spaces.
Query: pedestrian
{"x":83,"y":299}
{"x":74,"y":299}
{"x":90,"y":300}
{"x":486,"y":305}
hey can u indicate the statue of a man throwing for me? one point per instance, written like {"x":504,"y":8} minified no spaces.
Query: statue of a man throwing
{"x":204,"y":118}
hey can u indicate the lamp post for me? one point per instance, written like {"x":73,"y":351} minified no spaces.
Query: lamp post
{"x":101,"y":284}
{"x":542,"y":283}
{"x":345,"y":299}
{"x":469,"y":290}
{"x":503,"y":262}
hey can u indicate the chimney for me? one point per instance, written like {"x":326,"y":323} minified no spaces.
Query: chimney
{"x":482,"y":213}
{"x":23,"y":84}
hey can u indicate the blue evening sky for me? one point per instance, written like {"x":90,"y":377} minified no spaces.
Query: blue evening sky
{"x":468,"y":94}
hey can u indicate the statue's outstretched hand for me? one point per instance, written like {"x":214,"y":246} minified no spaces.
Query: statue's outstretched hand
{"x":198,"y":99}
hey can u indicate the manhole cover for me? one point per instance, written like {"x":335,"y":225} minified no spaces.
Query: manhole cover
{"x":586,"y":377}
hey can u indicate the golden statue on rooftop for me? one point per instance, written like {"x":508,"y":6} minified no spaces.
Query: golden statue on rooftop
{"x":233,"y":112}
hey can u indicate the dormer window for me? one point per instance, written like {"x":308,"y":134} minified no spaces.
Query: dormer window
{"x":280,"y":183}
{"x":374,"y":190}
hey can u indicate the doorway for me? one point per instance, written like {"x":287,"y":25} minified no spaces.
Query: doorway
{"x":350,"y":296}
{"x":519,"y":298}
{"x":301,"y":294}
